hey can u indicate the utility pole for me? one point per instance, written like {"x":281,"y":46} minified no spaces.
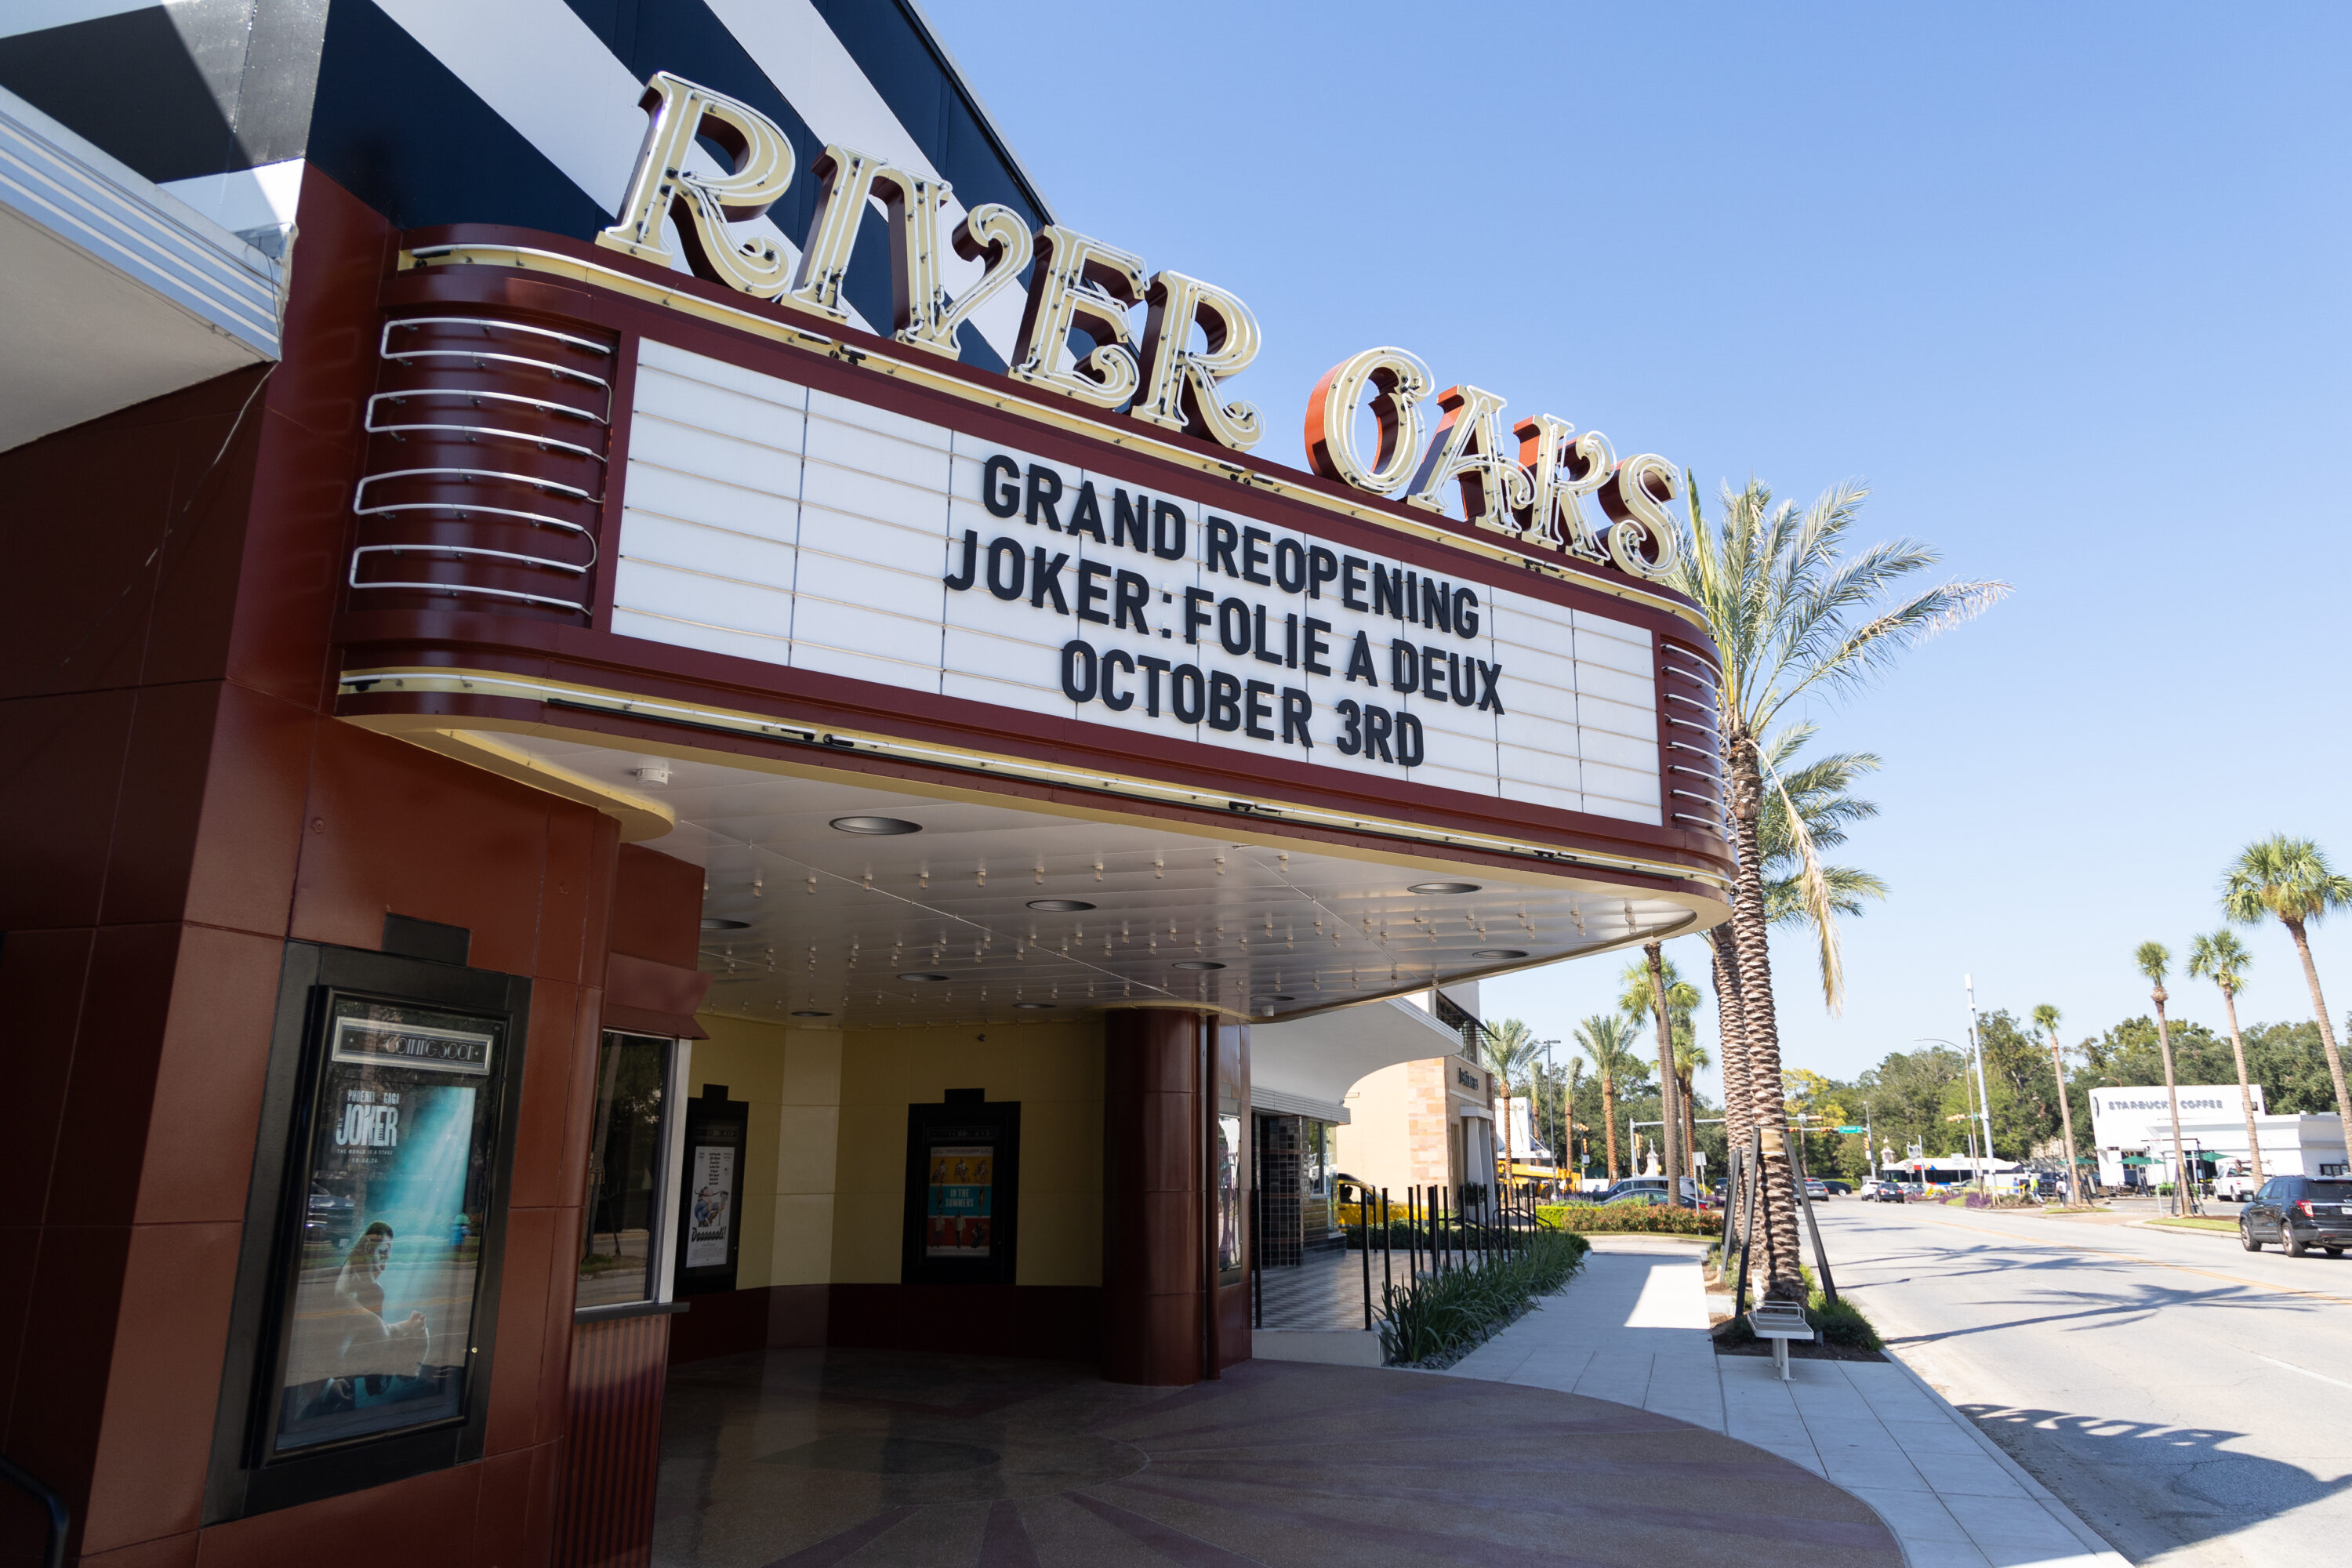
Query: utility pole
{"x":1984,"y":1101}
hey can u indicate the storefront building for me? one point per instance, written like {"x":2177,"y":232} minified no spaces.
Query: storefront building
{"x":653,"y":716}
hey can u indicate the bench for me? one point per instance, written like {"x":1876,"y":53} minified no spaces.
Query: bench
{"x":1780,"y":1321}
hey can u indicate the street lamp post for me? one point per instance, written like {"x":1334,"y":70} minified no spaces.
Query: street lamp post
{"x":1968,"y":1122}
{"x":1984,"y":1101}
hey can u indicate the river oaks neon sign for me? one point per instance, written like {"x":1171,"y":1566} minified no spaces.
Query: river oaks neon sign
{"x":1531,"y":485}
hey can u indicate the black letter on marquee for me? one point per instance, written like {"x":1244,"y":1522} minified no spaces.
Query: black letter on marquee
{"x":1461,"y":680}
{"x":963,"y":579}
{"x":1433,"y":660}
{"x":1000,"y":549}
{"x":1091,"y":591}
{"x":1151,"y":668}
{"x":1359,"y":662}
{"x":1437,"y":605}
{"x":1087,"y":516}
{"x":1132,"y":593}
{"x":1290,"y":567}
{"x":1490,"y":673}
{"x":1224,"y":700}
{"x":1117,"y":658}
{"x":1465,"y":612}
{"x":1258,"y":710}
{"x":1167,"y":531}
{"x":1253,"y":543}
{"x":1258,"y":649}
{"x":1351,"y":735}
{"x":1317,"y":647}
{"x":1221,"y":538}
{"x":1388,"y":592}
{"x":1404,"y":666}
{"x":1351,"y":581}
{"x":1077,"y":659}
{"x":1376,"y":732}
{"x":999,"y":488}
{"x":1046,"y":577}
{"x":1234,"y":626}
{"x":1195,"y":617}
{"x":1130,"y":526}
{"x":1295,"y":711}
{"x":1410,"y":749}
{"x":1188,"y":694}
{"x":1322,"y":567}
{"x":1044,"y":489}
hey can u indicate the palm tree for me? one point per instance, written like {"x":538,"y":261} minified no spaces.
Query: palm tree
{"x":1652,"y":985}
{"x":1608,"y":1044}
{"x":2291,"y":879}
{"x":2154,"y":959}
{"x":2223,"y":959}
{"x":1794,"y":618}
{"x":1724,"y":958}
{"x":1511,"y":1054}
{"x":1689,"y":1056}
{"x":1824,"y":810}
{"x":2045,"y":1018}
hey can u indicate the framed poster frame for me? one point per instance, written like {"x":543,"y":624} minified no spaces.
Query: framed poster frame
{"x":712,"y":1122}
{"x":964,"y":1120}
{"x":247,"y":1476}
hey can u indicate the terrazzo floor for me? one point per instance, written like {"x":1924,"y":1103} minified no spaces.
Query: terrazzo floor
{"x":805,"y":1458}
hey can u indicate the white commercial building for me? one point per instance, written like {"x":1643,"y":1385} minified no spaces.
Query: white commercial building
{"x":2132,"y":1131}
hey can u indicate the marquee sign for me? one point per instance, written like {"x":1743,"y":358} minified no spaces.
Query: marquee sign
{"x":769,"y":519}
{"x":1530,"y":486}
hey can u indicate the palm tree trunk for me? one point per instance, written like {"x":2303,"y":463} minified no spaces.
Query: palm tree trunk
{"x":1689,"y":1090}
{"x":2246,"y":1087}
{"x":1732,"y":1034}
{"x":2326,"y":1029}
{"x":1608,"y":1118}
{"x":2066,"y":1122}
{"x":1768,"y":1112}
{"x":2172,"y":1095}
{"x":1669,"y":1112}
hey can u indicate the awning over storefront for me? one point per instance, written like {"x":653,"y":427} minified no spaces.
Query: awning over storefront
{"x":1314,"y":1061}
{"x":112,"y":290}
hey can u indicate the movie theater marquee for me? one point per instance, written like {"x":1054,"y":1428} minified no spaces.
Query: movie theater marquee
{"x":780,"y":522}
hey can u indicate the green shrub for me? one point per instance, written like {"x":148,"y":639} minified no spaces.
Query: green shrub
{"x":1446,"y":1314}
{"x":1635,"y":1219}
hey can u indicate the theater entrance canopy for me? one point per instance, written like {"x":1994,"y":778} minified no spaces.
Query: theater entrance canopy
{"x":1019,"y":677}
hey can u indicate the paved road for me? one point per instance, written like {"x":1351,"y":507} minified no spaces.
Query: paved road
{"x":2191,"y":1401}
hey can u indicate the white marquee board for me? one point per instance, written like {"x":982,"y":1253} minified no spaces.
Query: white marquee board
{"x":769,"y":520}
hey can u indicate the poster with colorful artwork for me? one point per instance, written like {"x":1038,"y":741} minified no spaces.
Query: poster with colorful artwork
{"x":957,"y":1217}
{"x":711,"y":1219}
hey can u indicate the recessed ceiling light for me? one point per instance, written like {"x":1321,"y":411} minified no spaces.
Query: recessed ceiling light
{"x":1060,"y":906}
{"x":712,"y":922}
{"x":1033,"y":1006}
{"x":1199,"y":964}
{"x":1443,"y":888}
{"x":810,"y":1013}
{"x":1500,"y":953}
{"x":922,"y":976}
{"x":876,"y":827}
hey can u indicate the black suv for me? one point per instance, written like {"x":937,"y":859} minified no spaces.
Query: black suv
{"x":2299,"y":1213}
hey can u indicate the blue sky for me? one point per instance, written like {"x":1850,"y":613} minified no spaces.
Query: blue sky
{"x":2064,"y":285}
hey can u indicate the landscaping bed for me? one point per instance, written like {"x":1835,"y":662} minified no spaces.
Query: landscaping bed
{"x":1435,"y":1322}
{"x":1628,"y":1219}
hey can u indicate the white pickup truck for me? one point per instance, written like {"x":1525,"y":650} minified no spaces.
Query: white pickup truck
{"x":2236,"y":1184}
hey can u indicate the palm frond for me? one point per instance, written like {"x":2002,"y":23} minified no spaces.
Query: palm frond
{"x":1813,"y":891}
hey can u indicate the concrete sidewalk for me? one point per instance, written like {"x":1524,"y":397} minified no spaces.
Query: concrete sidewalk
{"x":1632,"y":1329}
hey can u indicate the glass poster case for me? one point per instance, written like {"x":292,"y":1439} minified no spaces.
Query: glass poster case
{"x":394,"y":1180}
{"x":364,"y":1321}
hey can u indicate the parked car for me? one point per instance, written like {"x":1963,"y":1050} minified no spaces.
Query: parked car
{"x":1837,"y":1189}
{"x":1816,"y":1188}
{"x":1885,"y":1192}
{"x":2298,"y":1213}
{"x":1641,"y":1197}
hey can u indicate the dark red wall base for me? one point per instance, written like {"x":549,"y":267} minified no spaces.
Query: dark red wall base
{"x":1049,"y":1322}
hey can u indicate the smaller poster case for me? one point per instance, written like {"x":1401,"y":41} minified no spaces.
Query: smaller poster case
{"x":710,"y":1192}
{"x":962,"y":1190}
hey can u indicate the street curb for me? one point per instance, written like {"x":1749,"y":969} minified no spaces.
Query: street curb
{"x":2094,"y":1543}
{"x":2177,"y":1230}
